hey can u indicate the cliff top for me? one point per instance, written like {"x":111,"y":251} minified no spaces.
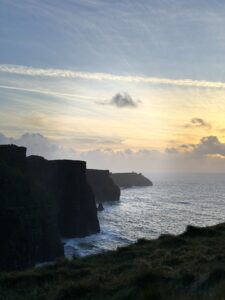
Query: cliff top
{"x":12,"y":152}
{"x":96,"y":171}
{"x":128,"y":173}
{"x":130,"y":179}
{"x":189,"y":266}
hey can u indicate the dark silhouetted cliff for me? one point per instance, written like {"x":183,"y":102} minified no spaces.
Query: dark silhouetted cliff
{"x":77,"y":213}
{"x":102,"y":185}
{"x":40,"y":201}
{"x":127,"y":180}
{"x":74,"y":205}
{"x":20,"y":227}
{"x":42,"y":185}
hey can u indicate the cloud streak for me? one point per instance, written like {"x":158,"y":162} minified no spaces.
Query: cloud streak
{"x":38,"y":91}
{"x":63,"y":73}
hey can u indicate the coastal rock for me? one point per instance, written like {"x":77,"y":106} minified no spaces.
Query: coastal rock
{"x":77,"y":212}
{"x":100,"y":207}
{"x":20,"y":227}
{"x":74,"y":205}
{"x":127,"y":180}
{"x":102,"y":185}
{"x":40,"y":201}
{"x":42,"y":189}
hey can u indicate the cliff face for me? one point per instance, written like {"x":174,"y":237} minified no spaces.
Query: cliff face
{"x":102,"y":185}
{"x":42,"y":184}
{"x":77,"y":211}
{"x":74,"y":207}
{"x":126,"y":180}
{"x":41,"y":200}
{"x":20,"y":228}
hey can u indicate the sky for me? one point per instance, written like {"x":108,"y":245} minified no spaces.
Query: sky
{"x":125,"y":85}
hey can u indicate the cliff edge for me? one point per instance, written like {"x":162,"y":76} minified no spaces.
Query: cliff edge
{"x":74,"y":204}
{"x":102,"y":185}
{"x":127,"y":180}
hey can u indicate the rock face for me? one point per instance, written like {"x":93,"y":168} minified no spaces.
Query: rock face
{"x":42,"y":185}
{"x":127,"y":180}
{"x":78,"y":213}
{"x":74,"y":201}
{"x":102,"y":185}
{"x":20,"y":227}
{"x":40,"y":201}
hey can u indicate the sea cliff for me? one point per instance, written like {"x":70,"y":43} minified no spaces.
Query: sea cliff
{"x":41,"y":201}
{"x":127,"y":180}
{"x":102,"y":185}
{"x":20,"y":226}
{"x":66,"y":181}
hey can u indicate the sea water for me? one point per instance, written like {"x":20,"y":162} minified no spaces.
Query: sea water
{"x":173,"y":202}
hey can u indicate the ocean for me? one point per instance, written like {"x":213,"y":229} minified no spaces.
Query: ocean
{"x":173,"y":202}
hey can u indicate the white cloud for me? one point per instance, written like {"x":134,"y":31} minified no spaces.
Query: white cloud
{"x":63,"y":73}
{"x":47,"y":92}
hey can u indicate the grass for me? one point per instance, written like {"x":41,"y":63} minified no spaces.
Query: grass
{"x":188,"y":266}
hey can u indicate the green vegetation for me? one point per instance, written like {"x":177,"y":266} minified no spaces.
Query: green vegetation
{"x":188,"y":266}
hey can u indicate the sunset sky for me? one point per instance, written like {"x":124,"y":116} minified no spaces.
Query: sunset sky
{"x":122,"y":84}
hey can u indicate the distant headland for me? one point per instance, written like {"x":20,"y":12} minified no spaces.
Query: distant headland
{"x":128,"y":180}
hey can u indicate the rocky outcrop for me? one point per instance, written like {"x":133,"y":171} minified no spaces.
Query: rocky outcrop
{"x":20,"y":227}
{"x":102,"y":185}
{"x":65,"y":181}
{"x":100,"y":207}
{"x":40,"y":201}
{"x":127,"y":180}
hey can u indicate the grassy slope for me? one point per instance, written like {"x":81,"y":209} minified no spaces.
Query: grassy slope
{"x":188,"y":266}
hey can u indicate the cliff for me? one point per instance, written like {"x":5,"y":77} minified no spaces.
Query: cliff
{"x":77,"y":211}
{"x":127,"y":180}
{"x":40,"y":201}
{"x":102,"y":185}
{"x":42,"y":183}
{"x":20,"y":228}
{"x":73,"y":200}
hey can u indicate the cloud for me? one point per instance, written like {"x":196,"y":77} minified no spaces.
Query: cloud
{"x":47,"y":92}
{"x":121,"y":100}
{"x":171,"y":151}
{"x":209,"y":145}
{"x":198,"y":122}
{"x":37,"y":144}
{"x":187,"y":146}
{"x":206,"y":156}
{"x":5,"y":140}
{"x":63,"y":73}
